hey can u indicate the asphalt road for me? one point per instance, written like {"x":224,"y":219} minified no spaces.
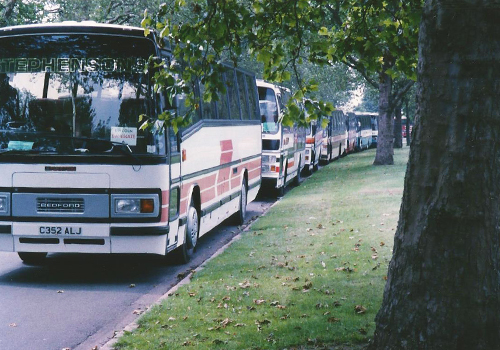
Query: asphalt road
{"x":78,"y":301}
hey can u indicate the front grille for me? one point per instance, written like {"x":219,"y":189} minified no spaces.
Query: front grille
{"x":60,"y":205}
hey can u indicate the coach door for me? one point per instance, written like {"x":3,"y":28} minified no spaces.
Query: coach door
{"x":175,"y":189}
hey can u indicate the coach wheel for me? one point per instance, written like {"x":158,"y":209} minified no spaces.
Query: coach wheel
{"x":242,"y":211}
{"x":186,"y":251}
{"x":32,"y":258}
{"x":281,"y":190}
{"x":315,"y":164}
{"x":297,"y":179}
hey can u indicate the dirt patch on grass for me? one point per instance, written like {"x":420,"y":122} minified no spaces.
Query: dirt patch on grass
{"x":391,"y":191}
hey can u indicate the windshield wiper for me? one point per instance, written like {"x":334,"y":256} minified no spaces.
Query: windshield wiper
{"x":125,"y":150}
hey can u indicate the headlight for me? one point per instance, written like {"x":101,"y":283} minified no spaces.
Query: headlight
{"x":135,"y":205}
{"x":4,"y":203}
{"x":269,"y":159}
{"x":265,"y":168}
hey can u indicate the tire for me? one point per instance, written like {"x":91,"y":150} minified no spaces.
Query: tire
{"x":281,"y":190}
{"x":31,"y":258}
{"x":296,"y":181}
{"x":239,"y":217}
{"x":186,"y":251}
{"x":315,"y":164}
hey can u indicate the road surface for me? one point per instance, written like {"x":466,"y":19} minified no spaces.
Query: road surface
{"x":78,"y":301}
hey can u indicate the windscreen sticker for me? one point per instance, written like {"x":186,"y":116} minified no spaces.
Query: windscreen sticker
{"x":124,"y":135}
{"x":20,"y":145}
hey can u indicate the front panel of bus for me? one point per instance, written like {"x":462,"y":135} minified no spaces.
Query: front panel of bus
{"x":273,"y":149}
{"x":78,"y":172}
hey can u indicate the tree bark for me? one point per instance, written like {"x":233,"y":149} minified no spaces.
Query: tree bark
{"x":444,"y":278}
{"x":385,"y":139}
{"x":398,"y":128}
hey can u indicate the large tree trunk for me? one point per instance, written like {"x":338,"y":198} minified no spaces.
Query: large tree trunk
{"x":398,"y":128}
{"x":444,"y":278}
{"x":385,"y":139}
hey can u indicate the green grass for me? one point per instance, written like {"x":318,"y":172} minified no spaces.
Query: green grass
{"x":310,"y":272}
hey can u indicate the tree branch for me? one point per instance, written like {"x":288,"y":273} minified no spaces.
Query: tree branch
{"x":397,"y":97}
{"x":352,"y":63}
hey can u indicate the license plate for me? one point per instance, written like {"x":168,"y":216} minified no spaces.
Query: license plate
{"x":59,"y":230}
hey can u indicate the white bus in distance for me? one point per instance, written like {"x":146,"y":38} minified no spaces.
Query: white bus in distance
{"x":314,"y":140}
{"x":78,"y":173}
{"x":364,"y":132}
{"x":334,"y":137}
{"x":283,"y":147}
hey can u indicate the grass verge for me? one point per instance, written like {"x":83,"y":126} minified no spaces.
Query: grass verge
{"x":310,"y":273}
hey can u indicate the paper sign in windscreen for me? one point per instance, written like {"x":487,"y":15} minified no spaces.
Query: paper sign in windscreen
{"x":124,"y":135}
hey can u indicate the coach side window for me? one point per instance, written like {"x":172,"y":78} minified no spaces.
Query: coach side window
{"x":173,"y":204}
{"x":232,"y":90}
{"x":208,"y":109}
{"x":222,"y":103}
{"x":243,"y":94}
{"x":253,"y":98}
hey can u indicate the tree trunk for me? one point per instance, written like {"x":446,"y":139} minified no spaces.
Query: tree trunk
{"x":398,"y":128}
{"x":408,"y":131}
{"x":385,"y":139}
{"x":444,"y":278}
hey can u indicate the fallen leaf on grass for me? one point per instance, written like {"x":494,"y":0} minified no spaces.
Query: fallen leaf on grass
{"x":307,"y":285}
{"x":263,"y":322}
{"x":225,"y":322}
{"x":333,"y":319}
{"x":259,"y":301}
{"x":245,"y":284}
{"x":359,"y":309}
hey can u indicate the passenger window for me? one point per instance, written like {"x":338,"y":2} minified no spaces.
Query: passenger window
{"x":232,"y":91}
{"x":242,"y":89}
{"x":173,"y":204}
{"x":208,"y":109}
{"x":253,"y":99}
{"x":174,"y":145}
{"x":223,"y":103}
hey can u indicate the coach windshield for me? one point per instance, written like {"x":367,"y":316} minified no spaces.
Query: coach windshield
{"x":76,"y":95}
{"x":268,"y":110}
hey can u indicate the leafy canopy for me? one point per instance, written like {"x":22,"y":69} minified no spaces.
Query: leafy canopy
{"x":368,"y":35}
